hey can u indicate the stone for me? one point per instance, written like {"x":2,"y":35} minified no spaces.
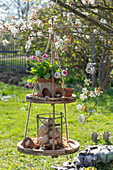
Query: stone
{"x":86,"y":163}
{"x":66,"y":164}
{"x":91,"y":156}
{"x":95,"y":151}
{"x":83,"y":153}
{"x":93,"y":147}
{"x":81,"y":158}
{"x":110,"y":156}
{"x":76,"y":161}
{"x":104,"y":154}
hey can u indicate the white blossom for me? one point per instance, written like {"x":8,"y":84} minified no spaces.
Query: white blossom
{"x":13,"y":29}
{"x":65,"y":38}
{"x":29,"y":25}
{"x":5,"y":42}
{"x":1,"y":27}
{"x":92,"y":94}
{"x":90,"y":68}
{"x":13,"y":21}
{"x":81,"y":118}
{"x":78,"y":21}
{"x":50,"y":21}
{"x":6,"y":24}
{"x":19,"y":22}
{"x":38,"y":22}
{"x":28,"y":44}
{"x":79,"y":107}
{"x":87,"y":81}
{"x":83,"y":97}
{"x":98,"y":92}
{"x":90,"y":2}
{"x":37,"y":53}
{"x":55,"y":19}
{"x":84,"y":90}
{"x":103,"y":21}
{"x":50,"y":30}
{"x":39,"y":33}
{"x":95,"y":31}
{"x":33,"y":34}
{"x":87,"y":36}
{"x":23,"y":26}
{"x":4,"y":16}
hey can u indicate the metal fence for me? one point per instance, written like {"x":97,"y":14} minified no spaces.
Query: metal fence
{"x":12,"y":57}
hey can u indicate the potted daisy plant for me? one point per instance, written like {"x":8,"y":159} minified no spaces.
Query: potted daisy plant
{"x":42,"y":70}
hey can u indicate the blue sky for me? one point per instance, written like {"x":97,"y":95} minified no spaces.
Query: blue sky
{"x":12,"y":11}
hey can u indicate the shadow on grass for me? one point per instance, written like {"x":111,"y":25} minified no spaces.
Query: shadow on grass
{"x":106,"y":99}
{"x":99,"y":141}
{"x":108,"y":143}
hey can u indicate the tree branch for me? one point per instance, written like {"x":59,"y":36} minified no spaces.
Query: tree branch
{"x":96,"y":7}
{"x":87,"y":18}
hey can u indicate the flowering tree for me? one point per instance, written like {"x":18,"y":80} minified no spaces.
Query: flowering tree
{"x":87,"y":94}
{"x":94,"y":11}
{"x":73,"y":40}
{"x":17,"y":8}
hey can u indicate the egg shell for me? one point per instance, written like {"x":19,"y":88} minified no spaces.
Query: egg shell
{"x":48,"y":121}
{"x":51,"y":141}
{"x":56,"y":132}
{"x":43,"y":140}
{"x":42,"y":130}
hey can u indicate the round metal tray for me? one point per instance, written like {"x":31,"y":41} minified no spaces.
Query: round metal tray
{"x":74,"y":146}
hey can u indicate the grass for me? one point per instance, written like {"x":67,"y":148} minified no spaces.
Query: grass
{"x":13,"y":116}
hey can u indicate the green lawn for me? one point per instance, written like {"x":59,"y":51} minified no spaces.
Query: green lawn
{"x":13,"y":116}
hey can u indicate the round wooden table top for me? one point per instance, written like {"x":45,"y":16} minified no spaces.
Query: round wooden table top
{"x":74,"y":147}
{"x":50,"y":100}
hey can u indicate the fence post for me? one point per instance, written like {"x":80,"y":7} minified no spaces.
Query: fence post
{"x":93,"y":59}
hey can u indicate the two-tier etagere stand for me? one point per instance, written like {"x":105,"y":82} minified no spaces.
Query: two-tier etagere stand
{"x":54,"y":151}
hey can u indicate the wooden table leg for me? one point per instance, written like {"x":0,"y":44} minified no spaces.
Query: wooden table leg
{"x":53,"y":147}
{"x":66,"y":121}
{"x":27,"y":120}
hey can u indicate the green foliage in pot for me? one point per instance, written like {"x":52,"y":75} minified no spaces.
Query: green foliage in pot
{"x":42,"y":68}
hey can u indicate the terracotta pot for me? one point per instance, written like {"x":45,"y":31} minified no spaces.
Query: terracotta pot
{"x":42,"y":80}
{"x":68,"y":92}
{"x":106,"y":136}
{"x":59,"y":92}
{"x":28,"y":143}
{"x":40,"y":94}
{"x":46,"y":92}
{"x":46,"y":86}
{"x":94,"y":136}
